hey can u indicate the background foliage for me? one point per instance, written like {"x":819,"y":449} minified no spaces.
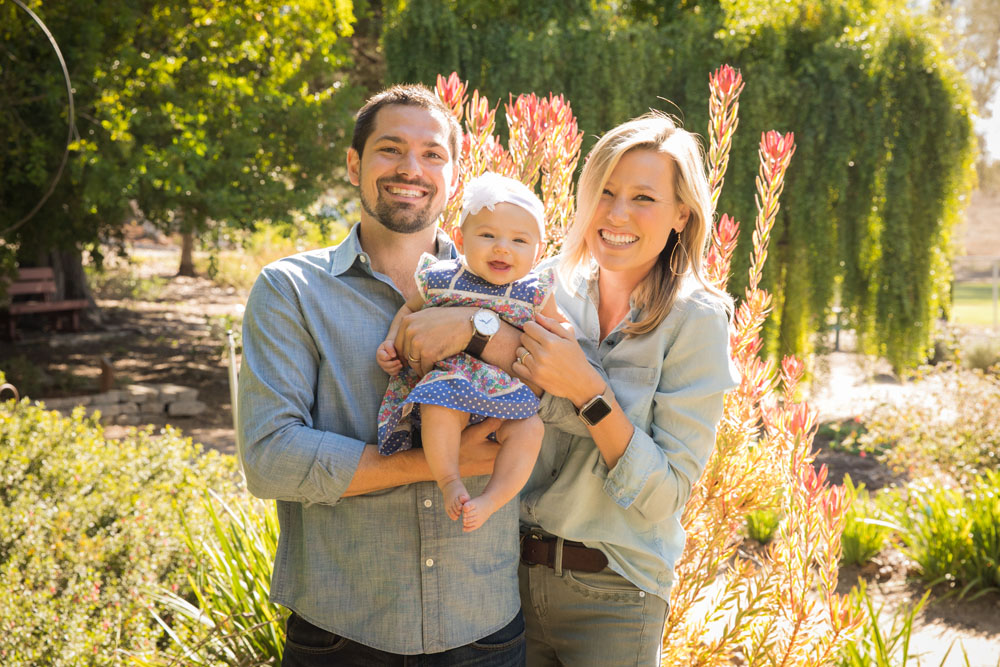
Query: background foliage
{"x":885,"y":143}
{"x":196,"y":111}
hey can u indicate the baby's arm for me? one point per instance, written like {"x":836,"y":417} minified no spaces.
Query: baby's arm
{"x":386,"y":355}
{"x":551,"y":310}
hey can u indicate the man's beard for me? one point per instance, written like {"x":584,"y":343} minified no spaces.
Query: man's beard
{"x":401,"y":218}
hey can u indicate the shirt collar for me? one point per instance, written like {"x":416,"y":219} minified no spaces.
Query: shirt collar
{"x":349,"y":251}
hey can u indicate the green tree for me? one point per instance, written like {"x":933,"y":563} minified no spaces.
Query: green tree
{"x":196,"y":111}
{"x":880,"y":115}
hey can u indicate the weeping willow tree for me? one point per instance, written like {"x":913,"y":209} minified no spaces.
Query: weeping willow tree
{"x":880,"y":114}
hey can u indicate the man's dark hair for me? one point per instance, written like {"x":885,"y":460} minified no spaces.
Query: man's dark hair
{"x":413,"y":95}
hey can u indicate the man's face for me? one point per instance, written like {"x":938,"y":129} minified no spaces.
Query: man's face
{"x":406,"y":173}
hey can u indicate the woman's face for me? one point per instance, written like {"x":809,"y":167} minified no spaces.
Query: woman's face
{"x":635,"y":213}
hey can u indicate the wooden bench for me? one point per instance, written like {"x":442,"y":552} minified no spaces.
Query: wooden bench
{"x":32,"y":294}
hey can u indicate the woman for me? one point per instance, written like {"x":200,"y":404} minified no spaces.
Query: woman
{"x":633,"y":394}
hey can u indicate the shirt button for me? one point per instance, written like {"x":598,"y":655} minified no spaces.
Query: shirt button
{"x":642,"y":594}
{"x":429,"y":562}
{"x":362,"y":259}
{"x":428,"y":503}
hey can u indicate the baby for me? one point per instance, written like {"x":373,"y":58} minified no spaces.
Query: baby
{"x":501,"y":237}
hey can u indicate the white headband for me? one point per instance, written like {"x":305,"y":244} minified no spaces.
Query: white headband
{"x":491,"y":189}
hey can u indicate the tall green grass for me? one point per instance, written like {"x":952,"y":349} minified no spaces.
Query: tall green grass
{"x":230,"y":618}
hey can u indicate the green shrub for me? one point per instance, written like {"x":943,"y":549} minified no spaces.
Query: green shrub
{"x":955,"y":431}
{"x":239,"y":267}
{"x":953,"y":534}
{"x":88,"y":525}
{"x":842,"y":435}
{"x":983,"y":356}
{"x":865,"y":532}
{"x":762,"y":524}
{"x":123,"y":282}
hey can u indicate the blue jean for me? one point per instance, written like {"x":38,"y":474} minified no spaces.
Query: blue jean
{"x":309,"y":646}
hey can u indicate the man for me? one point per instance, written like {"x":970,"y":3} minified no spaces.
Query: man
{"x":373,"y":578}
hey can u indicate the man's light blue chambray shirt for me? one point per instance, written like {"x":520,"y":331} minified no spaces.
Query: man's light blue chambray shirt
{"x":671,"y":383}
{"x":387,"y":569}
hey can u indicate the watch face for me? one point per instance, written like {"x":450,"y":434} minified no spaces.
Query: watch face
{"x":487,"y":322}
{"x":597,"y":410}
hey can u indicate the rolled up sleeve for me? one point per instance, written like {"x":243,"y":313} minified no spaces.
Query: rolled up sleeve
{"x":283,"y":456}
{"x":658,"y":469}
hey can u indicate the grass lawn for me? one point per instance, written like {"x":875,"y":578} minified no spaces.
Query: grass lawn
{"x":973,"y":304}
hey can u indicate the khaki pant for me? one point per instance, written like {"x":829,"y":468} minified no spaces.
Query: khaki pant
{"x":578,"y":619}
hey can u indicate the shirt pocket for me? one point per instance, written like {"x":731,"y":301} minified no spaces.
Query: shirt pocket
{"x":634,"y":387}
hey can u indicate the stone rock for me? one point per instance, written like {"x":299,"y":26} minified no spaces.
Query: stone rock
{"x":185,"y":408}
{"x":128,"y":420}
{"x":175,"y":392}
{"x":106,"y":398}
{"x":142,"y":393}
{"x":153,"y":408}
{"x":112,"y":409}
{"x":65,"y":404}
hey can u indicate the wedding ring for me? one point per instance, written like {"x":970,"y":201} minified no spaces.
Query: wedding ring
{"x":412,"y":360}
{"x":522,"y":357}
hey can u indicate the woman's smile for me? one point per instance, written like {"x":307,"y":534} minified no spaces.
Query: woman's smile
{"x":620,"y":239}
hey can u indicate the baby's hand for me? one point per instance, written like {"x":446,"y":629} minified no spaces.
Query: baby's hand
{"x":387,"y":359}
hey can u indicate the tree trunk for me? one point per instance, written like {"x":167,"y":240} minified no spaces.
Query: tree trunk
{"x":187,"y":255}
{"x":71,"y":281}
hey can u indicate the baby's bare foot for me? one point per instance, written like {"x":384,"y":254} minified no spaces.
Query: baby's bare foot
{"x":476,"y":511}
{"x":455,"y":497}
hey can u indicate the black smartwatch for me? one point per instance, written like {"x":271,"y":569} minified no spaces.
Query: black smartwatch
{"x":594,"y":410}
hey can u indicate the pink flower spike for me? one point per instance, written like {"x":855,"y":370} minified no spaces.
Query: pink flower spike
{"x":777,"y":147}
{"x":726,"y":80}
{"x":452,"y":93}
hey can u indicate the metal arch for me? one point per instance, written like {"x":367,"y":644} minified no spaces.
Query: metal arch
{"x":72,"y":121}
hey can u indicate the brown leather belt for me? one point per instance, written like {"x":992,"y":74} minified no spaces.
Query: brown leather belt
{"x":575,"y":556}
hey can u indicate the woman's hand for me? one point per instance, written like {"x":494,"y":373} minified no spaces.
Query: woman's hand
{"x":550,"y":357}
{"x":432,"y":334}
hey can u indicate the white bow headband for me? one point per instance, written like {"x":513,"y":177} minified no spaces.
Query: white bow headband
{"x":491,"y":189}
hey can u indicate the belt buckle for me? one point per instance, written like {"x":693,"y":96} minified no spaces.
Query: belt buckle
{"x":531,"y":535}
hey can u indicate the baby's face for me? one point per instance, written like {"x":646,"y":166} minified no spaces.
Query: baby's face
{"x":500,"y":245}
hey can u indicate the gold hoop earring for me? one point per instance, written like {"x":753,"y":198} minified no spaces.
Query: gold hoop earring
{"x":684,"y":261}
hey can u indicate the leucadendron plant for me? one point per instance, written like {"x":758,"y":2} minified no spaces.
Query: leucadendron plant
{"x":542,"y":150}
{"x":778,"y":607}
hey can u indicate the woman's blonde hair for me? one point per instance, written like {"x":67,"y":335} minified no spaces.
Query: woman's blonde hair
{"x":684,"y":253}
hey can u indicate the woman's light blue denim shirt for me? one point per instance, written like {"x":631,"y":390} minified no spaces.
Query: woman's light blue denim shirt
{"x":671,"y":383}
{"x":387,"y":569}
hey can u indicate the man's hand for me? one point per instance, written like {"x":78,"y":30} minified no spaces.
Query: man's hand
{"x":432,"y":334}
{"x":387,"y":358}
{"x":476,"y":454}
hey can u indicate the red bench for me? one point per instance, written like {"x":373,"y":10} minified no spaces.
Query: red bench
{"x":32,"y":293}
